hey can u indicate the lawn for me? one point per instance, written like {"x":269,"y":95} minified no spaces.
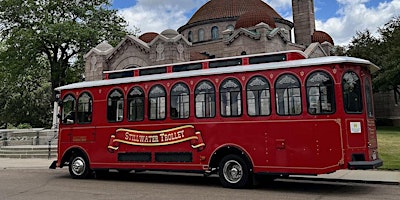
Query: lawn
{"x":389,"y":147}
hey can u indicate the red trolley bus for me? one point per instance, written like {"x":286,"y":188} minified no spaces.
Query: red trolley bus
{"x":282,"y":117}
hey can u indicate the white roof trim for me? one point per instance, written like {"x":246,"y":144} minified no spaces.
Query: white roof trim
{"x":224,"y":70}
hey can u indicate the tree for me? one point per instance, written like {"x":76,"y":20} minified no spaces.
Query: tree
{"x":383,"y":51}
{"x":57,"y":30}
{"x":43,"y":43}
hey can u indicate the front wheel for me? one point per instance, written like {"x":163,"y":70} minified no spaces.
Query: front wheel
{"x":234,"y":172}
{"x":79,"y":167}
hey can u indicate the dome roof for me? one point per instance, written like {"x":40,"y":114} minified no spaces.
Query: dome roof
{"x":148,"y":37}
{"x":321,"y":37}
{"x":253,"y":18}
{"x":104,"y":46}
{"x":217,"y":9}
{"x":170,"y":33}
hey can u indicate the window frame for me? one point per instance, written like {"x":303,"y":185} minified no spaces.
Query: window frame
{"x":179,"y":87}
{"x":206,"y":104}
{"x":289,"y":89}
{"x":201,"y":35}
{"x":71,"y":114}
{"x":214,"y":33}
{"x":231,"y":100}
{"x":369,"y":100}
{"x":329,"y":89}
{"x":359,"y":95}
{"x":90,"y":109}
{"x":158,"y":103}
{"x":133,"y":95}
{"x":260,"y":90}
{"x":114,"y":107}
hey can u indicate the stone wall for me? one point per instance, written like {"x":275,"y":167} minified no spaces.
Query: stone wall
{"x":14,"y":137}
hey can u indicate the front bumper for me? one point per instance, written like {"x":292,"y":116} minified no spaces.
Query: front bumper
{"x":53,"y":165}
{"x":365,"y":164}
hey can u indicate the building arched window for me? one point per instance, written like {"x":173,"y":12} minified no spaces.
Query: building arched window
{"x":115,"y":106}
{"x":258,"y":97}
{"x":157,"y":102}
{"x":85,"y":107}
{"x":320,"y":93}
{"x":214,"y":33}
{"x":190,"y":36}
{"x":231,"y":98}
{"x":288,"y":95}
{"x":230,"y":27}
{"x":351,"y":86}
{"x":68,"y":111}
{"x":201,"y":35}
{"x":136,"y":104}
{"x":179,"y":101}
{"x":205,"y":100}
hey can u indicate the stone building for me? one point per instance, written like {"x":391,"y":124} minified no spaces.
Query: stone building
{"x":220,"y":28}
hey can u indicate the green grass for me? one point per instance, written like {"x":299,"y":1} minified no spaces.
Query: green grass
{"x":389,"y":147}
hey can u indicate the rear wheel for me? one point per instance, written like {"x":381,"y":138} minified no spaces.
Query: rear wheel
{"x":79,"y":167}
{"x":234,"y":172}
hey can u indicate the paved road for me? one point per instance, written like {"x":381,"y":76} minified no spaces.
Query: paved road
{"x":45,"y":184}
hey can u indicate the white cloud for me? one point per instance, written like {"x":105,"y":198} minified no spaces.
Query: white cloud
{"x":158,"y":15}
{"x":354,"y":15}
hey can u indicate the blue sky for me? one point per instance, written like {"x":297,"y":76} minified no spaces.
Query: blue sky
{"x":340,"y":18}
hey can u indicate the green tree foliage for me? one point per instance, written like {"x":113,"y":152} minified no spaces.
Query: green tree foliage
{"x":384,"y":51}
{"x":42,"y":47}
{"x":62,"y":31}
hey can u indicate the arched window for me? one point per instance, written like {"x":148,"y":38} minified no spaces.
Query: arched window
{"x":205,"y":100}
{"x":179,"y":101}
{"x":351,"y":86}
{"x":157,"y":102}
{"x":368,"y":97}
{"x":231,"y":98}
{"x":85,"y":104}
{"x":288,"y":95}
{"x":136,"y":104}
{"x":258,"y":97}
{"x":115,"y":106}
{"x":320,"y":93}
{"x":201,"y":35}
{"x":190,"y":36}
{"x":230,"y":27}
{"x":68,"y":109}
{"x":214,"y":33}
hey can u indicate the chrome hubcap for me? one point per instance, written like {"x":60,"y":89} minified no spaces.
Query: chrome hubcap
{"x":233,"y":171}
{"x":78,"y":166}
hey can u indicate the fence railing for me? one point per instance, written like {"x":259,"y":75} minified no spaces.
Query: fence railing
{"x":36,"y":136}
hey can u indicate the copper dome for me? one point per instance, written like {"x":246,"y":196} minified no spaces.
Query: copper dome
{"x":217,"y":9}
{"x":253,"y":18}
{"x":148,"y":37}
{"x":321,"y":37}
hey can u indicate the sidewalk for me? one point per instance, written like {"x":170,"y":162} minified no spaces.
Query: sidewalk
{"x":358,"y":176}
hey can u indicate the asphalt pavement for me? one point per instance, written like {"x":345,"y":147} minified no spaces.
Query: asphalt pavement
{"x":358,"y":176}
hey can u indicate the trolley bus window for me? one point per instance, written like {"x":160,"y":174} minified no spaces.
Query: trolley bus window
{"x":136,"y":104}
{"x":115,"y":106}
{"x":205,"y":100}
{"x":85,"y":103}
{"x":288,"y":95}
{"x":368,"y":96}
{"x":258,"y":97}
{"x":352,"y":93}
{"x":157,"y":102}
{"x":68,"y":110}
{"x":180,"y":101}
{"x":231,"y":98}
{"x":320,"y":93}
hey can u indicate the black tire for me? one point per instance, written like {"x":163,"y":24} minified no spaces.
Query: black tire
{"x":79,"y":167}
{"x":234,"y":172}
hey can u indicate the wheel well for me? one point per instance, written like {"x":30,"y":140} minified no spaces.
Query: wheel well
{"x":70,"y":153}
{"x":224,"y":151}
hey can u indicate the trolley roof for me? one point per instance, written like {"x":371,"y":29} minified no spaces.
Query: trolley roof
{"x":226,"y":70}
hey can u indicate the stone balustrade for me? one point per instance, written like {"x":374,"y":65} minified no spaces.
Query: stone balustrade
{"x":36,"y":136}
